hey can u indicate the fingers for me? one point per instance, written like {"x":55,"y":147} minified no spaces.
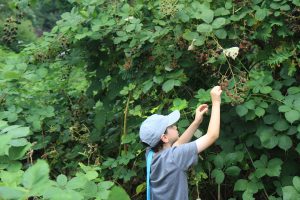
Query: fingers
{"x":216,"y":90}
{"x":203,"y":108}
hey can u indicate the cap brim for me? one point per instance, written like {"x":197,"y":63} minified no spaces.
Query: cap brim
{"x":173,"y":117}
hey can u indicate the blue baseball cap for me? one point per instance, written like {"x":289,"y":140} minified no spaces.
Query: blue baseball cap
{"x":155,"y":126}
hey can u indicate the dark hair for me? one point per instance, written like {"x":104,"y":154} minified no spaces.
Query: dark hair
{"x":158,"y":146}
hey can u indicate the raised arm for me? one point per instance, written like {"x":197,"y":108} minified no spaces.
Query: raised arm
{"x":213,"y":130}
{"x":189,"y":132}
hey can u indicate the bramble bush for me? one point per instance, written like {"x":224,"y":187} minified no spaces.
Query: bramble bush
{"x":85,"y":87}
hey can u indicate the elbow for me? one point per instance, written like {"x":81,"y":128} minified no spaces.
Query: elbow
{"x":213,"y":136}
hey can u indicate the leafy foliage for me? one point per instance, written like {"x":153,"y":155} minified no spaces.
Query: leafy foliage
{"x":85,"y":87}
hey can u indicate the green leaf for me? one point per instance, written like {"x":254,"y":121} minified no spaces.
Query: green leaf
{"x":259,"y":111}
{"x":19,"y":132}
{"x":261,"y":14}
{"x":170,"y":84}
{"x":290,"y":193}
{"x":265,"y":89}
{"x":218,"y":22}
{"x":293,"y":90}
{"x":117,"y":192}
{"x":183,"y":16}
{"x":250,"y":104}
{"x":204,"y":28}
{"x":179,"y":104}
{"x":147,"y":86}
{"x":76,"y":182}
{"x":281,"y":125}
{"x":274,"y":167}
{"x":296,"y":183}
{"x":90,"y":175}
{"x":240,"y":185}
{"x":207,"y":15}
{"x":292,"y":115}
{"x":36,"y":178}
{"x":233,"y":171}
{"x":296,"y":2}
{"x":61,"y":180}
{"x":219,"y":161}
{"x":284,"y":108}
{"x":140,"y":188}
{"x":4,"y":144}
{"x":190,"y":35}
{"x":267,"y":137}
{"x":285,"y":142}
{"x":221,"y":33}
{"x":11,"y":193}
{"x":19,"y":142}
{"x":276,"y":94}
{"x":241,"y":110}
{"x":270,"y":119}
{"x":218,"y":175}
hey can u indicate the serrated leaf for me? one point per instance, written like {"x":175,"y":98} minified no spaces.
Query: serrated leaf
{"x":221,"y":33}
{"x":274,"y":167}
{"x":207,"y":15}
{"x":233,"y":171}
{"x":259,"y":111}
{"x":218,"y":175}
{"x":240,"y":185}
{"x":296,"y":183}
{"x":284,"y":108}
{"x":241,"y":110}
{"x":281,"y":125}
{"x":219,"y":161}
{"x":265,"y":89}
{"x":61,"y":180}
{"x":218,"y":22}
{"x":117,"y":192}
{"x":37,"y":177}
{"x":285,"y":142}
{"x":204,"y":28}
{"x":292,"y":115}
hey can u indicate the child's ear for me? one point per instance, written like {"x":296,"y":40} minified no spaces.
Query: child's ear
{"x":164,"y":138}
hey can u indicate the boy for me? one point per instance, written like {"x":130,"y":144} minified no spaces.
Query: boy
{"x":169,"y":155}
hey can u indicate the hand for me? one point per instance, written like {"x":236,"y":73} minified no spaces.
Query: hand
{"x":216,"y":94}
{"x":200,"y":111}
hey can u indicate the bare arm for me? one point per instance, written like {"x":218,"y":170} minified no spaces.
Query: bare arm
{"x":213,"y":130}
{"x":189,"y":132}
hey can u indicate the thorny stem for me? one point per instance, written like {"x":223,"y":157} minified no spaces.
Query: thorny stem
{"x":219,"y":192}
{"x":229,"y":65}
{"x":125,"y":121}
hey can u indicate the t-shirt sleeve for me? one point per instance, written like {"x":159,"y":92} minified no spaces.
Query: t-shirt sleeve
{"x":185,"y":155}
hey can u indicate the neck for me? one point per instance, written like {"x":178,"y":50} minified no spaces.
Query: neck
{"x":166,"y":145}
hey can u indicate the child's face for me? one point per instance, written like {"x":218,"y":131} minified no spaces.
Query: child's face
{"x":172,"y":134}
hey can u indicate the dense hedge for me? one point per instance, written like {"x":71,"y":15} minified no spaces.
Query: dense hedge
{"x":85,"y":87}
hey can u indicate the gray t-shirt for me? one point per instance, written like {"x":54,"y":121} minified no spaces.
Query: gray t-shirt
{"x":168,"y":177}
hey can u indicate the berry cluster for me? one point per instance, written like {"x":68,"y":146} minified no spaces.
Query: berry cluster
{"x":168,"y":7}
{"x":128,"y":63}
{"x":10,"y":30}
{"x":238,"y":93}
{"x":293,"y":20}
{"x":59,"y":47}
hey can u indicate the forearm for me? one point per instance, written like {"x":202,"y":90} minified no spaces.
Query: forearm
{"x":213,"y":130}
{"x":214,"y":123}
{"x":188,"y":133}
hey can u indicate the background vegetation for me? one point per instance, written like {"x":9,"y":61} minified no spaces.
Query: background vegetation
{"x":72,"y":99}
